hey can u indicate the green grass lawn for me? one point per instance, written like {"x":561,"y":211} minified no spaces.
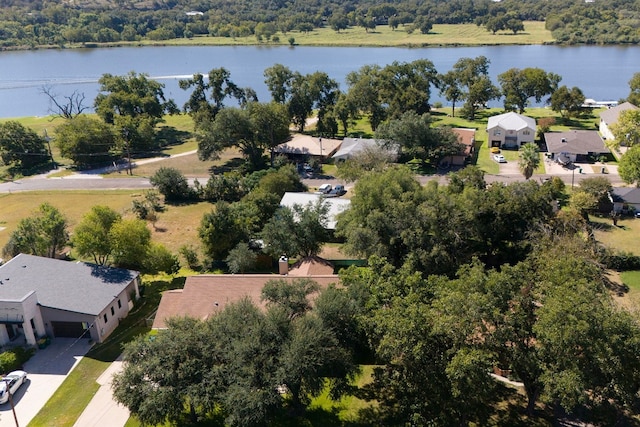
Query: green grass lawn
{"x":624,"y":237}
{"x":177,"y":224}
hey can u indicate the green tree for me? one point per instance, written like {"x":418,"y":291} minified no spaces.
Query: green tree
{"x":270,"y":124}
{"x":232,"y":127}
{"x":92,"y":238}
{"x":172,"y":184}
{"x":86,"y":141}
{"x":364,"y":86}
{"x":208,"y":95}
{"x":338,"y":22}
{"x":472,"y":76}
{"x":518,"y":86}
{"x":162,"y":375}
{"x":414,"y":134}
{"x":43,"y":234}
{"x":279,"y":80}
{"x":514,"y":24}
{"x":529,"y":159}
{"x":451,"y":89}
{"x":600,"y":188}
{"x":160,"y":259}
{"x":241,"y":258}
{"x":131,"y":243}
{"x":222,"y":229}
{"x":21,"y":147}
{"x":406,"y":86}
{"x":634,"y":86}
{"x":290,"y":296}
{"x":370,"y":159}
{"x":380,"y":210}
{"x":626,"y":130}
{"x":299,"y":231}
{"x":567,"y":102}
{"x":133,"y":95}
{"x":629,"y":167}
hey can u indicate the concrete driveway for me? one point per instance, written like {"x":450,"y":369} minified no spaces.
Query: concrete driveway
{"x":46,"y":370}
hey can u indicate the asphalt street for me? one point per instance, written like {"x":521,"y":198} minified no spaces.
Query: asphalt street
{"x":97,"y":182}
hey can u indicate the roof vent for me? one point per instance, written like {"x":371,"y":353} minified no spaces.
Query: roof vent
{"x":564,"y":139}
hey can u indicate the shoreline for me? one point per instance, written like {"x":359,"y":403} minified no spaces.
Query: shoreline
{"x":441,"y":35}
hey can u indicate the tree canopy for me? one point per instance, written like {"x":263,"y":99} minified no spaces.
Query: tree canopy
{"x":43,"y":234}
{"x":20,"y":147}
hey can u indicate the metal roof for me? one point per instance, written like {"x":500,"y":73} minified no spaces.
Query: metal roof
{"x":511,"y":121}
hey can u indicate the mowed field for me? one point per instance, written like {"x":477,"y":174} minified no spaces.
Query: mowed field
{"x":176,"y":226}
{"x":383,"y":35}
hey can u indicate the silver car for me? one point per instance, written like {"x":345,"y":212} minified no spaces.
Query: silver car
{"x":11,"y":383}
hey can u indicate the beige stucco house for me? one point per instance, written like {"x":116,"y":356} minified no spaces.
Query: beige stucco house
{"x":49,"y":297}
{"x":510,"y":130}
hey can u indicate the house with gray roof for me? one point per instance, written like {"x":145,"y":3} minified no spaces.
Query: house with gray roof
{"x":625,"y":198}
{"x":510,"y":130}
{"x":50,"y":297}
{"x":575,"y":145}
{"x":610,"y":117}
{"x":353,"y":146}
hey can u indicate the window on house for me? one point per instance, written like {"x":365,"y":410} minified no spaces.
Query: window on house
{"x":113,"y":312}
{"x":497,"y":132}
{"x":119,"y":304}
{"x":33,"y":325}
{"x":526,"y":132}
{"x":105,"y":318}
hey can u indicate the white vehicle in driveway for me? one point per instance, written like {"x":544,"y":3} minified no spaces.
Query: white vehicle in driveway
{"x":499,"y":158}
{"x":11,"y":383}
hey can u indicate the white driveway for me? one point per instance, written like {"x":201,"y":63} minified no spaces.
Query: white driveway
{"x":103,"y":411}
{"x":46,"y":370}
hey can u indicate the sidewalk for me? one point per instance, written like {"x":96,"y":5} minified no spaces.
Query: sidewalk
{"x":103,"y":410}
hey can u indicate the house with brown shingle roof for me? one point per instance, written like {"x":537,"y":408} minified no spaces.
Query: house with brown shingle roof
{"x":467,"y":137}
{"x":205,"y":295}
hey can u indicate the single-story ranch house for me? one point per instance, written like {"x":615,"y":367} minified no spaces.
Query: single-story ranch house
{"x":610,"y":117}
{"x":205,"y":295}
{"x":50,"y":297}
{"x":510,"y":130}
{"x":304,"y":146}
{"x":575,"y":145}
{"x":625,"y":198}
{"x":353,"y":146}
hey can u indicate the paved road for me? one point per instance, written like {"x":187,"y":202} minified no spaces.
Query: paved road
{"x":96,"y":182}
{"x":46,"y":370}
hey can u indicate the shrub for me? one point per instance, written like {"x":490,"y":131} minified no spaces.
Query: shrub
{"x":14,"y":359}
{"x":621,"y":261}
{"x":172,"y":184}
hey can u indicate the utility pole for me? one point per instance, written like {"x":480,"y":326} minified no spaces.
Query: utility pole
{"x":13,"y":408}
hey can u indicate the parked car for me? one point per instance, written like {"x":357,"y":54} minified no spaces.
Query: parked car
{"x":11,"y":383}
{"x":499,"y":158}
{"x":325,"y":188}
{"x":337,"y":191}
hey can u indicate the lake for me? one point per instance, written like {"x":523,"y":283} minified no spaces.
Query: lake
{"x":602,"y":72}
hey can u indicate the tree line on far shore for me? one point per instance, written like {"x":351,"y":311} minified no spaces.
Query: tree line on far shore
{"x":26,"y":24}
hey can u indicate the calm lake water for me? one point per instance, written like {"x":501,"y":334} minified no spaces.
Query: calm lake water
{"x":602,"y":72}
